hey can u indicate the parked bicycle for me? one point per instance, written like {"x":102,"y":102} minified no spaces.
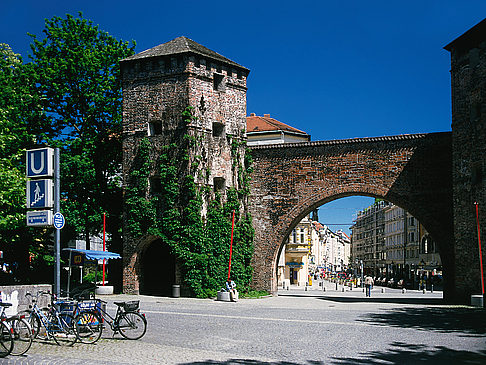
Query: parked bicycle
{"x":6,"y":339}
{"x":49,"y":322}
{"x":20,"y":330}
{"x":128,"y":321}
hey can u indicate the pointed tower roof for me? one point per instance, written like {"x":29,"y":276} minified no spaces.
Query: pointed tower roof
{"x":182,"y":45}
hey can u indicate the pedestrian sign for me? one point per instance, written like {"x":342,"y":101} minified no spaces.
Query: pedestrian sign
{"x":39,"y":218}
{"x":40,"y":194}
{"x":58,"y":220}
{"x":40,"y":162}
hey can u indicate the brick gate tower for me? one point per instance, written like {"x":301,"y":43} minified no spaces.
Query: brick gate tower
{"x":468,"y":73}
{"x":158,"y":85}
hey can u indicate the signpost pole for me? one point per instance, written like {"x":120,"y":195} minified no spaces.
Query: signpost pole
{"x":104,"y":245}
{"x":480,"y":253}
{"x":57,"y":232}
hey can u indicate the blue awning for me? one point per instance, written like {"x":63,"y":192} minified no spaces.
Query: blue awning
{"x":94,"y":255}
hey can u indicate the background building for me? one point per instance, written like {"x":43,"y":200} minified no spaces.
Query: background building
{"x":392,"y":243}
{"x":266,"y":130}
{"x":367,"y":239}
{"x":401,"y":242}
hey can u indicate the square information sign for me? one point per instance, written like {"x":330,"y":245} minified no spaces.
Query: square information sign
{"x":39,"y":218}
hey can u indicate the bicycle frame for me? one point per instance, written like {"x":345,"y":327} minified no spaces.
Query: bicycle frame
{"x":105,"y":316}
{"x":50,"y":327}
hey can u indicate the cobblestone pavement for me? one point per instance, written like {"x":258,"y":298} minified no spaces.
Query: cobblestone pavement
{"x":297,"y":327}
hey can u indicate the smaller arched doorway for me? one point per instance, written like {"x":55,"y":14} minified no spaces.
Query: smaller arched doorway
{"x":158,"y":270}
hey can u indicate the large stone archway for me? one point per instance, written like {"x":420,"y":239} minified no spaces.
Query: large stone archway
{"x":412,"y":171}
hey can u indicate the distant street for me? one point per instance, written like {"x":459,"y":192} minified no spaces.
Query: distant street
{"x":297,"y":327}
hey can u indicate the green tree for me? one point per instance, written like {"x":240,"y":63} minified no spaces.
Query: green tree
{"x":17,"y":111}
{"x":77,"y":78}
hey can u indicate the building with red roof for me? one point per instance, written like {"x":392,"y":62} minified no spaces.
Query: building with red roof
{"x":266,"y":130}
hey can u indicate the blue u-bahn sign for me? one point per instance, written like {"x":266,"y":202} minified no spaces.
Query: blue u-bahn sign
{"x":40,"y":194}
{"x":40,"y":162}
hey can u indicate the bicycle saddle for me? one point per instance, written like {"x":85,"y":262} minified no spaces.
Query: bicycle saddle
{"x":5,"y":304}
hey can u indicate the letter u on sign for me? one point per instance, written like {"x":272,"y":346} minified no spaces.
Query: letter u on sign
{"x":40,"y":162}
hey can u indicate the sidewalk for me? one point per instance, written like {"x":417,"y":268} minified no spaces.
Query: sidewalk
{"x":378,"y":293}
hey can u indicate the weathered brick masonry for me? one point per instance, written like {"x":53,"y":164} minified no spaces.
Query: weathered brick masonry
{"x":158,"y":84}
{"x":289,"y":181}
{"x":429,"y":175}
{"x":468,"y":74}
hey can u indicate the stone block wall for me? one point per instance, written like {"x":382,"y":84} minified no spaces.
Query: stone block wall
{"x":468,"y":74}
{"x":156,"y":90}
{"x":15,"y":294}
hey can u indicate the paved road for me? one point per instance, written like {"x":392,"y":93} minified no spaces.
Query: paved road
{"x":297,"y":327}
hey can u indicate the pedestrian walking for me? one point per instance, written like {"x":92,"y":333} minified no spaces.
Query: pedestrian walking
{"x":368,"y":285}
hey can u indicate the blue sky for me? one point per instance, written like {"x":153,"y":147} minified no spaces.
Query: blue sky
{"x":333,"y":69}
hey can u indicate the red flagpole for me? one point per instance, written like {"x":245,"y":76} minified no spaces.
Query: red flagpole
{"x":231,"y":244}
{"x":480,"y":254}
{"x":104,"y":247}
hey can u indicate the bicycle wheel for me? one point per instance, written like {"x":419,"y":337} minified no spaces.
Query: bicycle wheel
{"x":6,"y":340}
{"x":88,"y":327}
{"x":22,"y":335}
{"x":62,"y":329}
{"x":132,"y":325}
{"x":35,"y":323}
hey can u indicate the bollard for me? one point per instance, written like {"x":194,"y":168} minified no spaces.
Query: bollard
{"x":432,"y":288}
{"x":342,"y":289}
{"x":336,"y":285}
{"x":383,"y":290}
{"x":424,"y":290}
{"x":404,"y":290}
{"x":323,"y":288}
{"x":477,"y":301}
{"x":176,"y":291}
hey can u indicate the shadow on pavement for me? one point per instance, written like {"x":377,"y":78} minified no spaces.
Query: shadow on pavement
{"x":399,"y":353}
{"x":402,"y":353}
{"x":469,"y":321}
{"x":255,"y":362}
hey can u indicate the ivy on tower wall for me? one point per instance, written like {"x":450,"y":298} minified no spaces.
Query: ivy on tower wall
{"x":174,"y":213}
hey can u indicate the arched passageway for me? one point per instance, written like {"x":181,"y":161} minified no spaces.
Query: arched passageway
{"x":289,"y":181}
{"x":157,"y":270}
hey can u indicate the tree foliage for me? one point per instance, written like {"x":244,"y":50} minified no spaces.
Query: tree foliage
{"x":68,"y":96}
{"x":77,"y":78}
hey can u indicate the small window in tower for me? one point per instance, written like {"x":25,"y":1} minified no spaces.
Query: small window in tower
{"x":155,"y":185}
{"x":219,"y":183}
{"x":475,"y":112}
{"x":154,"y":128}
{"x":218,"y":82}
{"x":218,"y":129}
{"x":476,"y":173}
